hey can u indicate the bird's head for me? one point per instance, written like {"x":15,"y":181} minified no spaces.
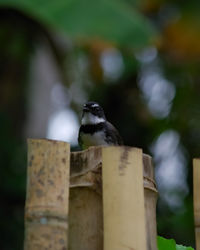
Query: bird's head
{"x":92,"y":113}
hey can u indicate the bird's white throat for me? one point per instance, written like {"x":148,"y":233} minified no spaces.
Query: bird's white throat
{"x":89,"y":118}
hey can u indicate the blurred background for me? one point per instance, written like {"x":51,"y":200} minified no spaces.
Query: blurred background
{"x":138,"y":59}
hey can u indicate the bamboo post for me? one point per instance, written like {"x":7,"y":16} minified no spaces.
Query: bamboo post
{"x":196,"y":188}
{"x":150,"y":200}
{"x":123,"y":199}
{"x":46,"y":209}
{"x":86,"y":205}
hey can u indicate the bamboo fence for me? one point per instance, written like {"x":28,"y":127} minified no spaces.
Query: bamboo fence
{"x":112,"y":198}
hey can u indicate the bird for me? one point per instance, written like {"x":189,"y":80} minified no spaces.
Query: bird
{"x":95,"y":130}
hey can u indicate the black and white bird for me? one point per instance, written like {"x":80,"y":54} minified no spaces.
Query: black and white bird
{"x":95,"y":130}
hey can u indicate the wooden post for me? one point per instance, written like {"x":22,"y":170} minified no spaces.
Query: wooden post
{"x":122,"y":167}
{"x":196,"y":188}
{"x":46,"y":210}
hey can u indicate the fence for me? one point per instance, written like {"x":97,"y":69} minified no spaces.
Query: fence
{"x":108,"y":201}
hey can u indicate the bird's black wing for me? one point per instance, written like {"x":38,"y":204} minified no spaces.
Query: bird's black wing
{"x":112,"y":135}
{"x":79,"y":138}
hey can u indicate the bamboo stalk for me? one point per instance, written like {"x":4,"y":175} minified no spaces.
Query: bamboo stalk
{"x":150,"y":199}
{"x":85,"y":206}
{"x":196,"y":188}
{"x":123,"y":199}
{"x":46,"y":209}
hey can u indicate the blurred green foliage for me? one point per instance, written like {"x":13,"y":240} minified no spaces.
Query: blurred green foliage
{"x":93,"y":27}
{"x":111,"y":20}
{"x":164,"y":244}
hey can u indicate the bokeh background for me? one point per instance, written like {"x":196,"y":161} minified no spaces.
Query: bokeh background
{"x":139,"y":59}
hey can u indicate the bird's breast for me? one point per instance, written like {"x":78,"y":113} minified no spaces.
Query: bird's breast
{"x":95,"y":139}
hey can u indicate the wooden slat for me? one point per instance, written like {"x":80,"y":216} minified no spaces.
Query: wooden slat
{"x":196,"y":191}
{"x":123,"y":199}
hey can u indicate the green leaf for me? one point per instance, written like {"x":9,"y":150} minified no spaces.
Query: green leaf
{"x":111,"y":20}
{"x":165,"y":244}
{"x":180,"y":247}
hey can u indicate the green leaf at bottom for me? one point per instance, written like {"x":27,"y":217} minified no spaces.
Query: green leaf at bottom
{"x":165,"y":244}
